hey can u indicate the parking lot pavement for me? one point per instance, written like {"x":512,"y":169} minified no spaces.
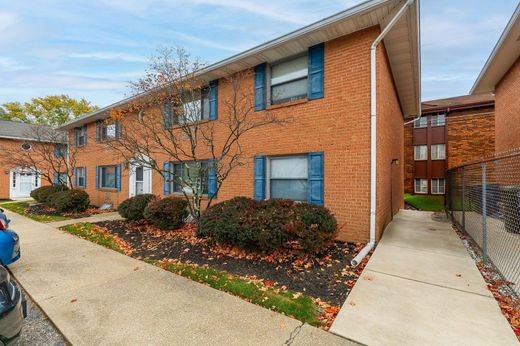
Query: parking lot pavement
{"x":38,"y":329}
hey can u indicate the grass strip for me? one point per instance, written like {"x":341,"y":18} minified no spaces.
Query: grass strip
{"x":89,"y":232}
{"x":18,"y":207}
{"x":425,"y":202}
{"x":289,"y":303}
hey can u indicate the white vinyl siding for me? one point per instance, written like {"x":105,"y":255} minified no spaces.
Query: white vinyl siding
{"x":289,"y":80}
{"x":438,"y":186}
{"x":438,"y":151}
{"x":420,"y":152}
{"x":421,"y":185}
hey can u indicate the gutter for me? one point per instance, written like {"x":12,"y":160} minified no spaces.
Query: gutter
{"x":373,"y":131}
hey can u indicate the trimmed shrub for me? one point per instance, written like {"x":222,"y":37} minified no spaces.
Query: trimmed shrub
{"x":37,"y":193}
{"x":46,"y":196}
{"x":70,"y":201}
{"x":133,"y":208}
{"x":268,"y":225}
{"x":167,"y":213}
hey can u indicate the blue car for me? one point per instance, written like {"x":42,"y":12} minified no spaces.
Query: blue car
{"x":9,"y":242}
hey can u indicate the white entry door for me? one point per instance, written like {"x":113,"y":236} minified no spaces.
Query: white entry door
{"x":140,"y":180}
{"x":22,"y":182}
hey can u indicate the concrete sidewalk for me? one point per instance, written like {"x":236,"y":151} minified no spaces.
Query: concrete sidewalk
{"x":94,"y":218}
{"x":98,"y":296}
{"x":421,"y":287}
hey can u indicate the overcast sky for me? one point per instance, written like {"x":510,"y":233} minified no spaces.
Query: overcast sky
{"x":92,"y":48}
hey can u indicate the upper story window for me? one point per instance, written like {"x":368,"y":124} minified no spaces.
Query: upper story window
{"x":80,"y":136}
{"x":25,"y":146}
{"x":420,"y":152}
{"x":289,"y":80}
{"x":438,"y":151}
{"x":421,"y":122}
{"x":439,"y":119}
{"x":198,"y":108}
{"x":107,"y":131}
{"x":60,"y":151}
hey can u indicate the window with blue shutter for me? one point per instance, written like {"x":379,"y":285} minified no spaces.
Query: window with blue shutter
{"x":84,"y":134}
{"x":118,"y":129}
{"x":166,"y":173}
{"x":118,"y":177}
{"x":56,"y":151}
{"x":76,"y":137}
{"x":167,"y":114}
{"x":315,"y":191}
{"x":212,"y":179}
{"x":259,"y":178}
{"x":316,"y":71}
{"x":213,"y":100}
{"x":98,"y":130}
{"x":260,"y":87}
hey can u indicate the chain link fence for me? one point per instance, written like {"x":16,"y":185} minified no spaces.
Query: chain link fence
{"x":483,"y":198}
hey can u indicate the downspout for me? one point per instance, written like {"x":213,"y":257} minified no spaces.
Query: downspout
{"x":373,"y":126}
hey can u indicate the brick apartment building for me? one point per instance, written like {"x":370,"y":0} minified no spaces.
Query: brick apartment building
{"x":17,"y":182}
{"x":450,"y":132}
{"x":326,"y":67}
{"x":501,"y":76}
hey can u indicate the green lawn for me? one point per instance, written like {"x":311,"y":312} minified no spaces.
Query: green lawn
{"x":18,"y":207}
{"x":289,"y":303}
{"x":425,"y":202}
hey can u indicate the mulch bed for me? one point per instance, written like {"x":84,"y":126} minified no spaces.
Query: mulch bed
{"x":328,"y":276}
{"x":40,"y":209}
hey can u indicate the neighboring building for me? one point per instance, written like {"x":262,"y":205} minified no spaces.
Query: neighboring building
{"x":17,"y":182}
{"x":327,"y":69}
{"x":501,"y":76}
{"x":450,"y":131}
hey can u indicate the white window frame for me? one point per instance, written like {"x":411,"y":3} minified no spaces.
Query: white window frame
{"x":435,"y":152}
{"x":268,"y":171}
{"x":422,"y":180}
{"x":82,"y":175}
{"x":436,"y":186}
{"x":435,"y":120}
{"x":296,"y":77}
{"x":421,"y":123}
{"x":423,"y":156}
{"x":101,"y":180}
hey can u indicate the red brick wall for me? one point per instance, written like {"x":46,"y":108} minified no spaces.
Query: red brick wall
{"x":471,"y":135}
{"x":507,"y":102}
{"x":338,"y":125}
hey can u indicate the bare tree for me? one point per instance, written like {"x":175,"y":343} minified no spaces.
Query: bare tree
{"x":45,"y":153}
{"x":170,"y":121}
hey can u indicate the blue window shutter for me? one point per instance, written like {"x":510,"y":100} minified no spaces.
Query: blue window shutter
{"x":118,"y":129}
{"x":316,"y":71}
{"x":167,"y":118}
{"x":315,"y":188}
{"x":259,"y":178}
{"x":56,"y":151}
{"x":56,"y":179}
{"x":212,"y":179}
{"x":213,"y":100}
{"x":166,"y":172}
{"x":85,"y":178}
{"x":118,"y":177}
{"x":75,"y":173}
{"x":76,"y":136}
{"x":260,"y":85}
{"x":84,"y":132}
{"x":98,"y":177}
{"x":98,"y":131}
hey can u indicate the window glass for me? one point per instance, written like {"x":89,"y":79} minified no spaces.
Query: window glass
{"x":108,"y":177}
{"x":289,"y":80}
{"x":109,"y":131}
{"x":438,"y":152}
{"x":438,"y":120}
{"x":421,"y":186}
{"x":205,"y":103}
{"x":80,"y":171}
{"x":63,"y":179}
{"x":438,"y":186}
{"x":421,"y":122}
{"x":288,"y":177}
{"x":420,"y":152}
{"x":81,"y":137}
{"x":189,"y":174}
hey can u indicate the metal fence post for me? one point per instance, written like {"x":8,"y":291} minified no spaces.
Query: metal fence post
{"x":484,"y":212}
{"x":462,"y":203}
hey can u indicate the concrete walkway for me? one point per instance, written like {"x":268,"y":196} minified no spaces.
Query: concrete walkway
{"x":421,"y":287}
{"x":98,"y":296}
{"x":94,"y":218}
